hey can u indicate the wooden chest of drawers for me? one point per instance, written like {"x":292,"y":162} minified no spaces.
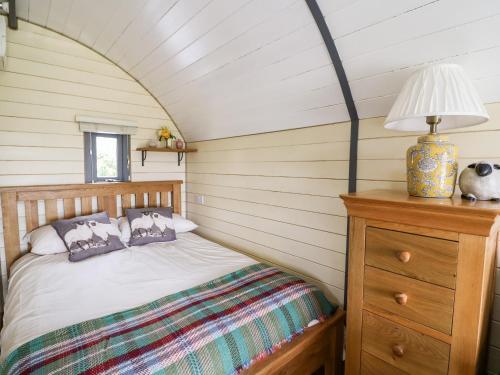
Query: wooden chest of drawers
{"x":420,"y":287}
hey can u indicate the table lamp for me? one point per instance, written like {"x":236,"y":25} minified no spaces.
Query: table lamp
{"x":439,"y":95}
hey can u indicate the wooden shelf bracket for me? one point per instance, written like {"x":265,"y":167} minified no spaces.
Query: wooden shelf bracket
{"x":180,"y":153}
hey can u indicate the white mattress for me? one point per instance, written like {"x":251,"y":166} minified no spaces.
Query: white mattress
{"x":49,"y":292}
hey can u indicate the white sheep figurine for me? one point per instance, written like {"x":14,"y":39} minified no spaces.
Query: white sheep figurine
{"x":480,"y":181}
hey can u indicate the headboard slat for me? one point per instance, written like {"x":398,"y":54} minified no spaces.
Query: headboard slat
{"x":106,"y":193}
{"x":152,"y":199}
{"x":126,"y":202}
{"x":86,"y":205}
{"x":69,"y":208}
{"x":163,"y":199}
{"x":51,"y":210}
{"x":10,"y":227}
{"x":139,"y":200}
{"x":176,"y":202}
{"x":31,"y":211}
{"x":111,"y":205}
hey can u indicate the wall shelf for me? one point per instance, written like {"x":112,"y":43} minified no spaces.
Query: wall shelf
{"x":180,"y":152}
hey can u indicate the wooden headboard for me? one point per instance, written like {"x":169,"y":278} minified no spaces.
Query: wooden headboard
{"x":78,"y":199}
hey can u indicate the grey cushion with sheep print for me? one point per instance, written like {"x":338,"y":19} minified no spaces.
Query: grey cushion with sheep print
{"x":87,"y":236}
{"x":149,"y":225}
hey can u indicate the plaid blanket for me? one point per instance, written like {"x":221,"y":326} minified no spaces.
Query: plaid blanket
{"x":219,"y":327}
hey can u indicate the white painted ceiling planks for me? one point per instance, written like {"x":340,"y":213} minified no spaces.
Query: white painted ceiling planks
{"x":225,"y":68}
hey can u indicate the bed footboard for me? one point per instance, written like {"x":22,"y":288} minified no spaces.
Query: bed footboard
{"x":319,"y":347}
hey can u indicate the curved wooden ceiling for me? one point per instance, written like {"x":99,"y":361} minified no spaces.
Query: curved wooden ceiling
{"x":224,"y":68}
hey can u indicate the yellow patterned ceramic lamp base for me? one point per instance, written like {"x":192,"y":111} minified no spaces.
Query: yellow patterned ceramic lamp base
{"x":432,"y":167}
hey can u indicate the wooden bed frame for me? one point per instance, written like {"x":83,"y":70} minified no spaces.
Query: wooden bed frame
{"x":319,"y":347}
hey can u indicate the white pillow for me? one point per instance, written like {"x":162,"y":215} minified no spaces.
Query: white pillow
{"x":45,"y":240}
{"x":181,"y":225}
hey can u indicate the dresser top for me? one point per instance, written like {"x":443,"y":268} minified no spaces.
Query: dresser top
{"x":454,"y":214}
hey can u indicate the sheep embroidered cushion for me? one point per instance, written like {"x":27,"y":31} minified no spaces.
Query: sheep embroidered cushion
{"x":149,"y":225}
{"x":87,"y":236}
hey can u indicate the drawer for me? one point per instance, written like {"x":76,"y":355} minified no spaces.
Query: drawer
{"x":424,"y":258}
{"x":421,"y":302}
{"x":371,"y":365}
{"x":403,"y":348}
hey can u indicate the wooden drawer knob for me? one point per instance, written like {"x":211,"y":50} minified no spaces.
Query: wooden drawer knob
{"x":398,"y":350}
{"x":401,"y":298}
{"x":404,"y":256}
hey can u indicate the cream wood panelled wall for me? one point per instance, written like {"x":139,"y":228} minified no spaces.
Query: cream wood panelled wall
{"x":48,"y":80}
{"x":275,"y":197}
{"x":381,"y":164}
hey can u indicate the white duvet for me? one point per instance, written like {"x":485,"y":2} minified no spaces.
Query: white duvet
{"x":49,"y":292}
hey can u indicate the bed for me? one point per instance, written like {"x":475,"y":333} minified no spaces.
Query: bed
{"x":50,"y":297}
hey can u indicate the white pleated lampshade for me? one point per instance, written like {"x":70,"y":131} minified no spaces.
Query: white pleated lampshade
{"x":439,"y":90}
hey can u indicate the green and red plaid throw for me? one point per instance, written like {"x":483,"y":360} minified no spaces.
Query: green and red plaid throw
{"x":220,"y":327}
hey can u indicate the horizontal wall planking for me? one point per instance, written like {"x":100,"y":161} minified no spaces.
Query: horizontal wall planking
{"x":254,"y":122}
{"x":253,"y":250}
{"x":33,"y":111}
{"x":11,"y":94}
{"x":43,"y":179}
{"x":395,"y":169}
{"x":156,"y":158}
{"x":319,"y":169}
{"x":54,"y":44}
{"x":36,"y":54}
{"x":322,"y":239}
{"x":314,"y":220}
{"x":364,"y":185}
{"x":42,"y":153}
{"x":306,"y":202}
{"x":15,"y":65}
{"x":33,"y":82}
{"x":40,"y":139}
{"x":308,"y":152}
{"x":296,"y":185}
{"x":339,"y":132}
{"x":288,"y":257}
{"x":389,"y":148}
{"x":29,"y":125}
{"x":168,"y":164}
{"x":37,"y":167}
{"x":177,"y":174}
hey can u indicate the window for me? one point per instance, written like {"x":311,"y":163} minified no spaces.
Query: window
{"x":106,"y":157}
